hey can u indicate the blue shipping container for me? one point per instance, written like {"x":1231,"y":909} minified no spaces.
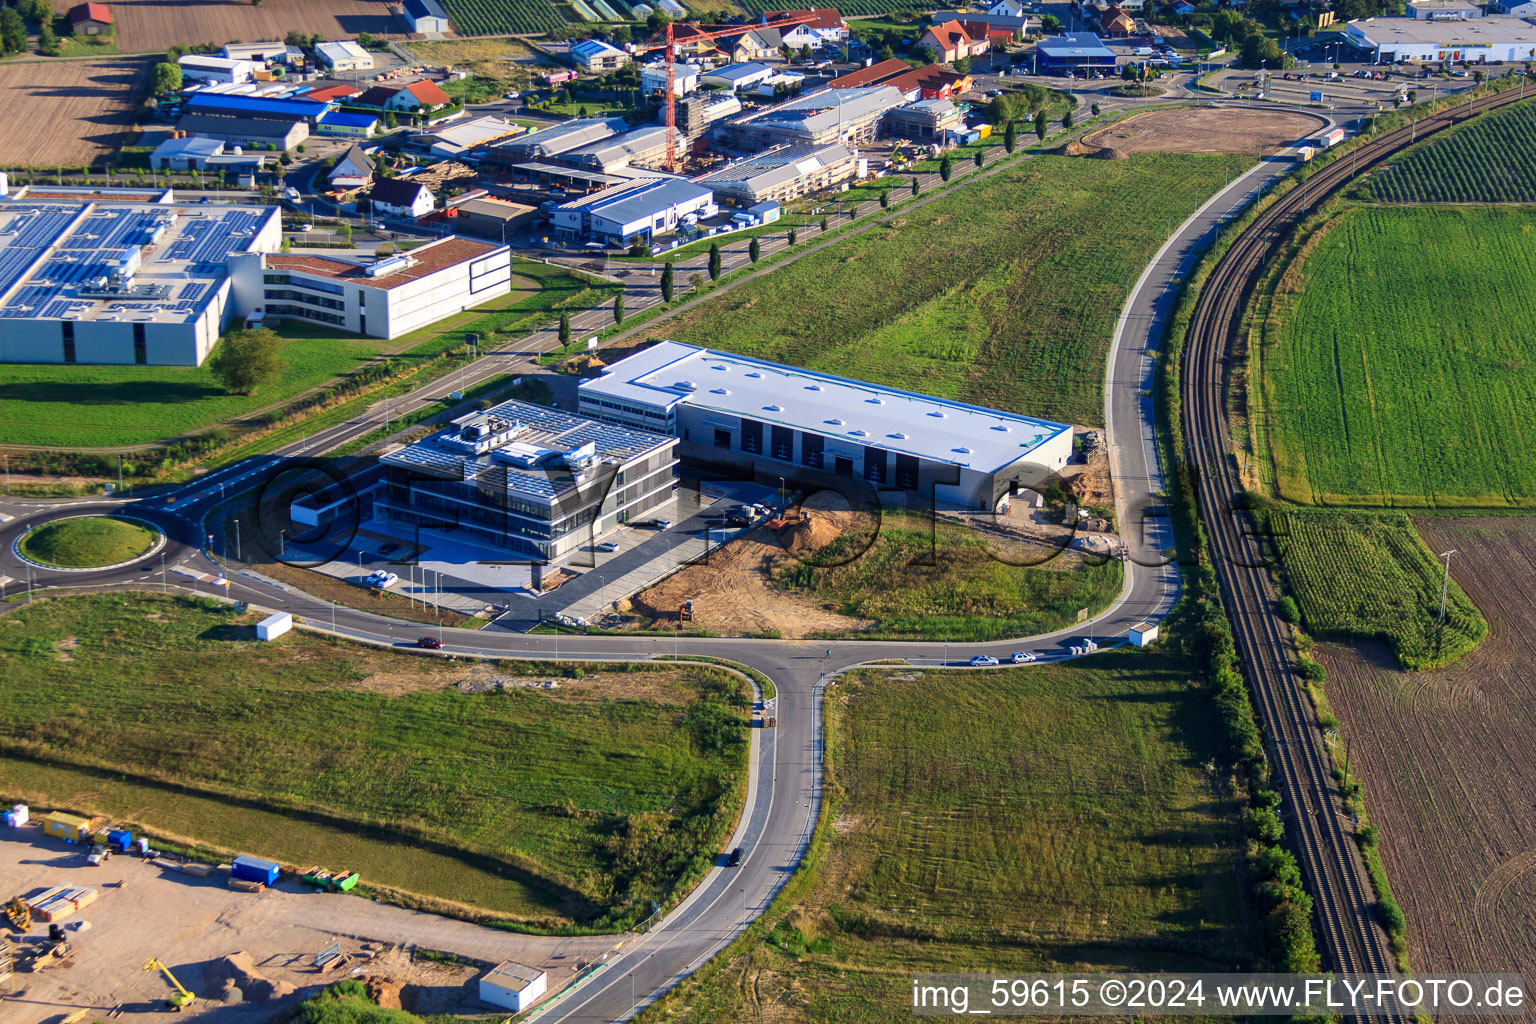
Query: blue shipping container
{"x":254,"y":869}
{"x":120,"y":838}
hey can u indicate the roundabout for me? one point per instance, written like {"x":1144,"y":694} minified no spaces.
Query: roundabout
{"x":88,"y":543}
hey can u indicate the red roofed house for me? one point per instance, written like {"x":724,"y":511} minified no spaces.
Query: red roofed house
{"x":1115,"y":22}
{"x":950,"y":42}
{"x":417,"y":97}
{"x":90,"y":19}
{"x":991,"y":33}
{"x":330,"y":93}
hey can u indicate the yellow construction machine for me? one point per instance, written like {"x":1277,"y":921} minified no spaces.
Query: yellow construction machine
{"x":182,"y":999}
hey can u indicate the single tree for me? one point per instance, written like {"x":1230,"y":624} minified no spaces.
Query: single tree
{"x":1010,"y":137}
{"x":1095,"y":110}
{"x":946,"y":167}
{"x":565,"y":329}
{"x":696,"y":281}
{"x":666,"y":283}
{"x":793,"y":236}
{"x":823,"y":225}
{"x":245,"y":360}
{"x":916,"y":188}
{"x":13,"y":31}
{"x":48,"y":42}
{"x":1040,"y":124}
{"x":754,"y":251}
{"x":1066,"y":119}
{"x":885,"y":200}
{"x":979,"y":159}
{"x":618,"y":308}
{"x":714,"y":261}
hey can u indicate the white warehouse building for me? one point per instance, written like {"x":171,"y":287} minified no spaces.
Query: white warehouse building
{"x":382,"y":299}
{"x":723,"y":405}
{"x":137,"y":280}
{"x":633,"y":211}
{"x":1479,"y":40}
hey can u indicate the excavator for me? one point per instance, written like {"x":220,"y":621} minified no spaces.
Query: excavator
{"x":182,"y":998}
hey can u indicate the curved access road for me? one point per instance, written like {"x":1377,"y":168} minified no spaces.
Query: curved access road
{"x":786,"y":777}
{"x":1352,"y":941}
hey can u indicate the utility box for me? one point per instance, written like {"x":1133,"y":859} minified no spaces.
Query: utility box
{"x":513,"y":986}
{"x":1143,"y":633}
{"x":274,"y":626}
{"x":253,"y":869}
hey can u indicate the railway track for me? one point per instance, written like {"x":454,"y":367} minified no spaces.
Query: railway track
{"x":1352,"y":941}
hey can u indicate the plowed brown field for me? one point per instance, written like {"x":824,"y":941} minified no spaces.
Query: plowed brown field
{"x":66,"y":113}
{"x":1448,"y":761}
{"x":144,"y":25}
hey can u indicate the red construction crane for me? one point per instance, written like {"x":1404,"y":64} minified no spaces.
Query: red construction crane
{"x":670,"y":46}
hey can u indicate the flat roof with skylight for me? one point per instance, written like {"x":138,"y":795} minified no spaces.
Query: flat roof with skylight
{"x":671,"y":374}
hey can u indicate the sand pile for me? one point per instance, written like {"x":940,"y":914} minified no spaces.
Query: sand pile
{"x":234,"y":978}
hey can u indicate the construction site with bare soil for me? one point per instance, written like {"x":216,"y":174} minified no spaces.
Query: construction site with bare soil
{"x":824,"y":569}
{"x":250,"y":953}
{"x":1445,"y":761}
{"x":1198,"y":130}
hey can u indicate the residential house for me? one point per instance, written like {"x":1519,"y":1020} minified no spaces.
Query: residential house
{"x":826,"y":27}
{"x":416,"y":97}
{"x":353,"y":169}
{"x":995,"y":37}
{"x":1012,"y":8}
{"x":596,"y":55}
{"x":753,"y":46}
{"x":1185,"y":7}
{"x":949,"y":42}
{"x":401,"y":197}
{"x":90,"y":20}
{"x":1115,"y":23}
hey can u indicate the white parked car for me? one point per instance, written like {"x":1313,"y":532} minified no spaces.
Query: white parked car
{"x":1023,"y":657}
{"x":608,"y":545}
{"x":384,"y":580}
{"x":983,"y":661}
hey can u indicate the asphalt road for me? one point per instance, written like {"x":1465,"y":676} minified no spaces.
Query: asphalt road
{"x":786,"y":778}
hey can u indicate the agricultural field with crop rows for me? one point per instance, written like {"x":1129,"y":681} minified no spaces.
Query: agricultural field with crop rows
{"x":1004,"y":294}
{"x":503,"y":17}
{"x":1486,"y":161}
{"x":1369,"y":576}
{"x":1409,"y":380}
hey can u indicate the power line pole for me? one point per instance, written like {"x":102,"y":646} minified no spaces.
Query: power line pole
{"x":1445,"y":581}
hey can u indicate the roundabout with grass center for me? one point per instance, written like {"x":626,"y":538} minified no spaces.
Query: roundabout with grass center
{"x":89,"y":542}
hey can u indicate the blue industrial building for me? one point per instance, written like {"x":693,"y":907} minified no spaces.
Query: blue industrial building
{"x":1068,"y":53}
{"x":224,"y":103}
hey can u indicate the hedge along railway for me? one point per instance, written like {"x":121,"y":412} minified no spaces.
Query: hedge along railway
{"x":1329,"y":860}
{"x":1470,"y":165}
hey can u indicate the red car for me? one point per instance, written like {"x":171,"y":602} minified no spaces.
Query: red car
{"x":431,"y":643}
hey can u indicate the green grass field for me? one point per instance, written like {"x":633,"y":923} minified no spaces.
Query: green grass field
{"x":1484,"y":161}
{"x":1368,"y":576}
{"x":1057,"y":818}
{"x":1409,"y":379}
{"x":549,"y":807}
{"x":87,"y":541}
{"x":930,"y":583}
{"x":1004,"y":294}
{"x":102,"y":406}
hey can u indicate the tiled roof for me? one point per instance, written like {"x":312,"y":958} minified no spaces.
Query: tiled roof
{"x":90,"y":12}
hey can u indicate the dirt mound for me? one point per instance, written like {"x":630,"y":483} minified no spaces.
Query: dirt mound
{"x":238,"y":972}
{"x":384,"y":991}
{"x":1075,"y":148}
{"x":1110,"y":153}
